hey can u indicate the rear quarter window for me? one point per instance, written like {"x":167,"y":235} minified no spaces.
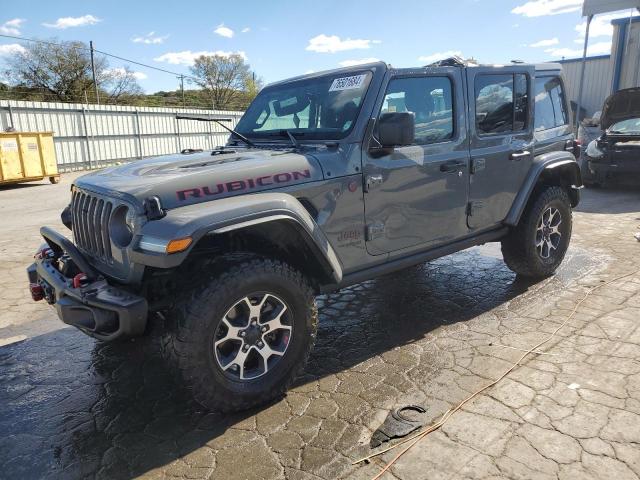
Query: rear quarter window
{"x":550,"y":104}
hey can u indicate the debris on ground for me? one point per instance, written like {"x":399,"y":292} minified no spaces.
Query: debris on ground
{"x":399,"y":423}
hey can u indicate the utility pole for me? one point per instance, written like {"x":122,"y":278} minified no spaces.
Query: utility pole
{"x":93,"y":71}
{"x":182,"y":89}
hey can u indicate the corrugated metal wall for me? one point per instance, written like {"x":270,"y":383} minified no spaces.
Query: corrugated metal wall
{"x":97,"y":135}
{"x":630,"y":58}
{"x":597,"y":81}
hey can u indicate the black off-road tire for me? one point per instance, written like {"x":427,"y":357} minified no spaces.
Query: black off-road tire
{"x":188,"y":344}
{"x":519,"y":247}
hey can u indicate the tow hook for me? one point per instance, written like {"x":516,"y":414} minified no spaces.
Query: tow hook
{"x":44,"y":254}
{"x":37,"y":291}
{"x":80,"y":280}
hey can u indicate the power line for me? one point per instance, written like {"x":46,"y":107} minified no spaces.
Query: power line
{"x":179,"y":75}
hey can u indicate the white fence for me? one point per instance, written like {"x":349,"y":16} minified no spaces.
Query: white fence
{"x":91,"y":136}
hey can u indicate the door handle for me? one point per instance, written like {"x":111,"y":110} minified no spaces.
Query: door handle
{"x":452,"y":166}
{"x":519,"y":155}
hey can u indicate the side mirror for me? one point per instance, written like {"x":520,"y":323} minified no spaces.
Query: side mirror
{"x":396,"y":129}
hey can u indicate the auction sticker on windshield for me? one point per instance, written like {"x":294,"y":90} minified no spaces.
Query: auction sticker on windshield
{"x":347,"y":83}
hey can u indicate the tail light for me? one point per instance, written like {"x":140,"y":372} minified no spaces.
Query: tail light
{"x":573,"y":146}
{"x":577,"y":148}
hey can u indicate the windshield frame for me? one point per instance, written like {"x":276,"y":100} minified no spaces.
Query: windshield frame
{"x":302,"y":136}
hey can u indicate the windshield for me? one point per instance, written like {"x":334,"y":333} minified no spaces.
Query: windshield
{"x":631,"y":126}
{"x":315,"y":108}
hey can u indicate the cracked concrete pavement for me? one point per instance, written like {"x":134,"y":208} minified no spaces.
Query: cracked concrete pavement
{"x":431,"y":335}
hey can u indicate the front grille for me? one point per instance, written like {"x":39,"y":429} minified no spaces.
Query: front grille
{"x":90,"y":217}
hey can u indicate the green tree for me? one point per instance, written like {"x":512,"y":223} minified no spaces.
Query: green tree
{"x":62,"y":71}
{"x":227,"y":80}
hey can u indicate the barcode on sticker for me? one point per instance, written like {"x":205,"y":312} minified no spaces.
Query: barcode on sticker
{"x":347,"y":83}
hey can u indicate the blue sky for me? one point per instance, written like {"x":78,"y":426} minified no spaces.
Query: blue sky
{"x":284,"y":38}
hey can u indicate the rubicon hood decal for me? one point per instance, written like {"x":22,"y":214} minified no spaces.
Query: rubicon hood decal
{"x":277,"y":179}
{"x":180,"y":180}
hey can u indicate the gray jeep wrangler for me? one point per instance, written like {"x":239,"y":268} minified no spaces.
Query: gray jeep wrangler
{"x":328,"y":180}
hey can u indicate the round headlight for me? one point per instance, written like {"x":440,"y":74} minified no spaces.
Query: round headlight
{"x":121,"y":226}
{"x":593,"y":150}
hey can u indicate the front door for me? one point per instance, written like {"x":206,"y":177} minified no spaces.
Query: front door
{"x":416,"y":195}
{"x":501,"y":140}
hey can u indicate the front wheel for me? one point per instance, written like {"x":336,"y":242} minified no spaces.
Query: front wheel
{"x":241,"y":339}
{"x":537,"y":245}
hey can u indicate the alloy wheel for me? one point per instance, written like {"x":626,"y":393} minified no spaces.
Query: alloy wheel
{"x":253,"y":336}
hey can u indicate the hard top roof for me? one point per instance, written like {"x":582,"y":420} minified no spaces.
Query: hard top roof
{"x":453,"y":61}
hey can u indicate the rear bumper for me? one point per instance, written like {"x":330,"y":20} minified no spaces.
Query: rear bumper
{"x":97,"y":308}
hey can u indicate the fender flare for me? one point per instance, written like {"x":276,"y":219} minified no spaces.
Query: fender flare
{"x":549,"y":162}
{"x":233,"y":214}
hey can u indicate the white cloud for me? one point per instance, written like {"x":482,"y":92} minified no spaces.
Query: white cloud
{"x":439,"y":56}
{"x":545,"y":43}
{"x":600,"y":25}
{"x":10,"y":49}
{"x":11,"y":27}
{"x":150,"y":39}
{"x":223,"y":31}
{"x":67,"y":22}
{"x":539,"y":8}
{"x":186,"y":57}
{"x":245,"y":30}
{"x":122,"y":71}
{"x":333,"y":43}
{"x":351,"y":63}
{"x":600,"y":48}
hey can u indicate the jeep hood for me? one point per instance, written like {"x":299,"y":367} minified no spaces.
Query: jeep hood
{"x":622,"y":105}
{"x":181,"y":179}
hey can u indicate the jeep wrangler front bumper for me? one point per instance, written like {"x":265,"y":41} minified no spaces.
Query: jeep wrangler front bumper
{"x":81,"y":296}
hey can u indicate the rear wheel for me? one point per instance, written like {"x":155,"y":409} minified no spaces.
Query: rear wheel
{"x":54,"y":180}
{"x":242,"y":339}
{"x":537,"y":246}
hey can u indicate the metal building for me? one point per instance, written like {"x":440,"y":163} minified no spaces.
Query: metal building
{"x":605,"y":74}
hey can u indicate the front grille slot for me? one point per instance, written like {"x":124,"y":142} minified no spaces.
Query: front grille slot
{"x":90,"y":215}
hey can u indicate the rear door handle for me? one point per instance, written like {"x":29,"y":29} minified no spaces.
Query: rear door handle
{"x":519,"y":155}
{"x":452,"y":166}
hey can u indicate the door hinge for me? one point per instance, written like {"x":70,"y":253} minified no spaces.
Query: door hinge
{"x":473,"y":207}
{"x":372,"y":181}
{"x":477,"y":164}
{"x":374,"y":231}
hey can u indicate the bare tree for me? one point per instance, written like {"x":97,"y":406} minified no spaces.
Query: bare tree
{"x":62,"y":71}
{"x":225,"y":78}
{"x":119,"y":83}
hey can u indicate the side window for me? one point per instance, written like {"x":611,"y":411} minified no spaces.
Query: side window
{"x":502,"y":103}
{"x":494,"y":103}
{"x":430,"y":99}
{"x":550,"y":104}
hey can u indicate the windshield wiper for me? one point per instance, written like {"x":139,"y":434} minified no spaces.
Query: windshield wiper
{"x":295,"y":142}
{"x":219,"y":122}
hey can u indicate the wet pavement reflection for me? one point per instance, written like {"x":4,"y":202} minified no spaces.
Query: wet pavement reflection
{"x":75,"y":408}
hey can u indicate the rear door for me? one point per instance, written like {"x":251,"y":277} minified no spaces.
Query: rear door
{"x":501,"y":140}
{"x":416,"y":195}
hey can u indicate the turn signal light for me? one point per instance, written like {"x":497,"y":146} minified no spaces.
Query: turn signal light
{"x":178,"y":245}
